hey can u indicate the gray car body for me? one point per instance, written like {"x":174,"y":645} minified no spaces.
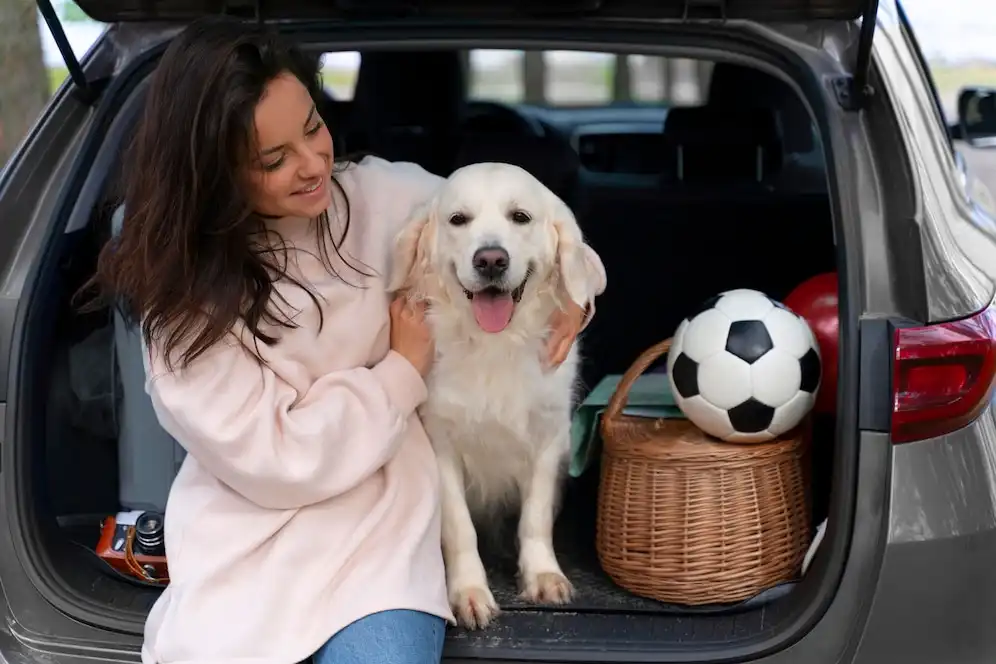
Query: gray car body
{"x":919,"y":583}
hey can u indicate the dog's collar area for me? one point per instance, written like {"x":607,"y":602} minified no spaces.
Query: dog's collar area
{"x":495,"y":291}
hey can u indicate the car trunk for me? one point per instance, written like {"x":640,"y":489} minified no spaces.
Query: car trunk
{"x":765,"y":238}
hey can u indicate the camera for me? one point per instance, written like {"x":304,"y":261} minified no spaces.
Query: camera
{"x":133,"y":543}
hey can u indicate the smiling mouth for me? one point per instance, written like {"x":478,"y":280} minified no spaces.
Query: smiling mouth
{"x":493,"y":306}
{"x":310,"y":189}
{"x":497,"y":291}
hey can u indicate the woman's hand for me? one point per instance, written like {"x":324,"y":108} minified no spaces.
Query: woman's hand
{"x":565,"y":324}
{"x":410,"y":333}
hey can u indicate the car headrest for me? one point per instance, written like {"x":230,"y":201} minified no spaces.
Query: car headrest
{"x":553,"y":162}
{"x":409,"y":89}
{"x":705,"y":143}
{"x":737,"y":85}
{"x":408,"y":106}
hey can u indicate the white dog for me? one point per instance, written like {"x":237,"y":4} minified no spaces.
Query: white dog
{"x":494,"y":253}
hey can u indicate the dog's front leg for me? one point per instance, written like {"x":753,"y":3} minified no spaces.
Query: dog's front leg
{"x":541,"y":578}
{"x":466,"y":580}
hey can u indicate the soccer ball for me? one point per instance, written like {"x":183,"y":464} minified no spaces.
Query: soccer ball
{"x":744,"y":368}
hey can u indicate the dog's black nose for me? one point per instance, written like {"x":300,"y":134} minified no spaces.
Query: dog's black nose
{"x":490,"y":262}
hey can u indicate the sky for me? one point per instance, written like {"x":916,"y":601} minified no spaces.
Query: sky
{"x":952,"y":30}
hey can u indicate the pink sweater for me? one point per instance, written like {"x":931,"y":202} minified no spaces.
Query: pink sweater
{"x":309,"y":497}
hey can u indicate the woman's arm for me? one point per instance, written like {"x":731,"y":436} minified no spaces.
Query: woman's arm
{"x":280,"y":449}
{"x":403,"y":185}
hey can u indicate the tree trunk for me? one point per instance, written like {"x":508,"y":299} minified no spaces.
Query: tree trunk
{"x":24,"y":79}
{"x":533,"y":77}
{"x":622,"y":83}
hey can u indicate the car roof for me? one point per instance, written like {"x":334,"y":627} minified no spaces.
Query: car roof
{"x":111,"y":11}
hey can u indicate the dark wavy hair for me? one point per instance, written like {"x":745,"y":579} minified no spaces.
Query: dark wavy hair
{"x":188,"y":263}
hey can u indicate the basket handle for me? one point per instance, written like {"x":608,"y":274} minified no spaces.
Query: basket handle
{"x":621,"y":396}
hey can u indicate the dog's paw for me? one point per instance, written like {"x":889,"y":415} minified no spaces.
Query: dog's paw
{"x":473,"y":607}
{"x":547,"y":588}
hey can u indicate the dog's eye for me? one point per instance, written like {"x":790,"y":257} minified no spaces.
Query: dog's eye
{"x":521,"y":217}
{"x":458,"y":219}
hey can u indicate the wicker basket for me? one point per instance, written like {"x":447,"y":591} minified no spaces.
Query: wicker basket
{"x":684,"y":518}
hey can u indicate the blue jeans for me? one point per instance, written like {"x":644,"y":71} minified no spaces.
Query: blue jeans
{"x":399,"y":636}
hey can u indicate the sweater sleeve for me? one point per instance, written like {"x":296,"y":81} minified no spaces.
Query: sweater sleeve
{"x":280,"y":449}
{"x":406,"y":183}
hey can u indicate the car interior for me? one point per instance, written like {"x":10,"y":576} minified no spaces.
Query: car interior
{"x":681,"y":201}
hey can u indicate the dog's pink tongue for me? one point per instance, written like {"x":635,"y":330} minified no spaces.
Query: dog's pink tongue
{"x":493,"y":312}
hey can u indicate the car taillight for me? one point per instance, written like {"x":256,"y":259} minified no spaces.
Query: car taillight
{"x":943,"y":376}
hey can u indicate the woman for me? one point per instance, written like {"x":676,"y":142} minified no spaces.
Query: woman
{"x":305,"y":518}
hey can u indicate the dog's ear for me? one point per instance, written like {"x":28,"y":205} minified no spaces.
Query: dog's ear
{"x":581,"y":271}
{"x":410,"y":255}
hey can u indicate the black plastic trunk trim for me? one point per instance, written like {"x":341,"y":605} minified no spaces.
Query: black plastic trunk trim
{"x":875,"y":393}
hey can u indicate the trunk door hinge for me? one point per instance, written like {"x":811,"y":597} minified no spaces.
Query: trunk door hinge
{"x":853,"y":91}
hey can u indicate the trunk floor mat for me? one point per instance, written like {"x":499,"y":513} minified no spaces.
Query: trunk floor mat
{"x":594,"y":590}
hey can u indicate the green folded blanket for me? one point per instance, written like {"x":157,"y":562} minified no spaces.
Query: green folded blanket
{"x":650,"y":396}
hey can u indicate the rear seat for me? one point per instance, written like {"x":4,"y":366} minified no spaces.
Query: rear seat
{"x":737,"y":86}
{"x":714,"y":223}
{"x":726,"y":207}
{"x":764,"y":236}
{"x":708,"y":147}
{"x":550,"y":160}
{"x":148,"y":457}
{"x":402,"y":114}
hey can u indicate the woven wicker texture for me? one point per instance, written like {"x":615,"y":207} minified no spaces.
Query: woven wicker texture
{"x":684,"y":518}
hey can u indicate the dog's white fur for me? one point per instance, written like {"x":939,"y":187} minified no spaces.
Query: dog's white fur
{"x":499,"y":421}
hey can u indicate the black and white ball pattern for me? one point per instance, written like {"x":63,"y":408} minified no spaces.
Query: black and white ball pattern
{"x":744,"y":368}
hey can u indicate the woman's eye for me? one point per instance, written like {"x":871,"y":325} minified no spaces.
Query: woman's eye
{"x":458,"y":219}
{"x":273,"y":165}
{"x":314,"y":130}
{"x":521,"y":217}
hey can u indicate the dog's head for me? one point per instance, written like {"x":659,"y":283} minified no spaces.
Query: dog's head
{"x":491,"y":235}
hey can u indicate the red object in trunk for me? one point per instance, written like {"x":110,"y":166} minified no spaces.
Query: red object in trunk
{"x":816,"y":300}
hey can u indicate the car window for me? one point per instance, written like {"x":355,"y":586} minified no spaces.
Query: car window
{"x":975,"y":188}
{"x":925,"y":75}
{"x":557,"y":78}
{"x":338,"y":72}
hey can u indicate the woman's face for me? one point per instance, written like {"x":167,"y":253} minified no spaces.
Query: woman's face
{"x":290,"y":173}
